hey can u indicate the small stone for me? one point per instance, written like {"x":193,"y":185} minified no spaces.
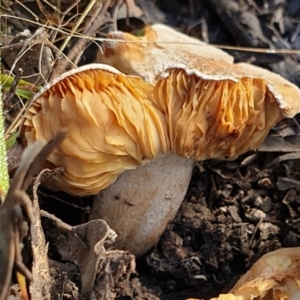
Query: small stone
{"x":266,"y":204}
{"x":265,"y":182}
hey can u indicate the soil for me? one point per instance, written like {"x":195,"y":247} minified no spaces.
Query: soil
{"x":234,"y":212}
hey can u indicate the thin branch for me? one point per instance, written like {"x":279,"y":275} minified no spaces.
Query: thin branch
{"x":79,"y":46}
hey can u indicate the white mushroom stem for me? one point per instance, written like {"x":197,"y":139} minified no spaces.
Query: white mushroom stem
{"x":141,"y":203}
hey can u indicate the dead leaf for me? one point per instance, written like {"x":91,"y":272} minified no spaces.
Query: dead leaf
{"x":274,"y":276}
{"x":40,"y":287}
{"x":17,"y":210}
{"x":280,"y":144}
{"x":284,"y":183}
{"x":86,"y":245}
{"x":285,"y":157}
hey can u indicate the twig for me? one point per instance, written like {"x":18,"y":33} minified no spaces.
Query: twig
{"x":115,"y":13}
{"x":75,"y":27}
{"x":81,"y":43}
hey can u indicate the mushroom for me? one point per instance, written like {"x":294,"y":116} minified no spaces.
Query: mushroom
{"x":274,"y":276}
{"x":113,"y":126}
{"x":214,"y":108}
{"x":137,"y":153}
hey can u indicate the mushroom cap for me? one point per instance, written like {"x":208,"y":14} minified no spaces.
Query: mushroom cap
{"x":112,"y":126}
{"x":151,"y":55}
{"x":287,"y":94}
{"x":166,"y":37}
{"x":163,"y":49}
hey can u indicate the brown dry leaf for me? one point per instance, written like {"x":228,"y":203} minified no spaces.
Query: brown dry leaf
{"x":274,"y":275}
{"x":290,"y":143}
{"x":14,"y":157}
{"x":87,"y":246}
{"x":151,"y":12}
{"x":285,"y":183}
{"x":112,"y":126}
{"x":128,"y":9}
{"x":40,"y":287}
{"x":17,"y":210}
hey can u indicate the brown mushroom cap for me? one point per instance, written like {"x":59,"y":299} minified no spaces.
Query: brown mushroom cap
{"x":112,"y":126}
{"x":151,"y":55}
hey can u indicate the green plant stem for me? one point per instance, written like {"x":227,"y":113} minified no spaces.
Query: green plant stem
{"x":4,"y":178}
{"x":24,"y":89}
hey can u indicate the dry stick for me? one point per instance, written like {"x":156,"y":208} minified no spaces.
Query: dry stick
{"x":28,"y":10}
{"x":61,"y":16}
{"x":76,"y":26}
{"x":226,"y":47}
{"x":115,"y":12}
{"x":16,"y":24}
{"x":81,"y":43}
{"x":97,"y":8}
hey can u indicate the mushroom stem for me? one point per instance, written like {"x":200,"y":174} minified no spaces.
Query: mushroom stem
{"x":141,"y":203}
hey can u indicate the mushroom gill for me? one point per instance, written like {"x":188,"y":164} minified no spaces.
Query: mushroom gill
{"x":112,"y":126}
{"x":215,"y":118}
